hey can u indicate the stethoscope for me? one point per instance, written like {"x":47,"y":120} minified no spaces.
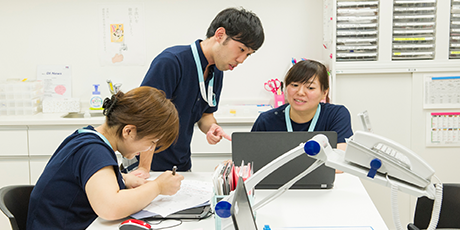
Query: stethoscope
{"x":312,"y":124}
{"x":211,"y":98}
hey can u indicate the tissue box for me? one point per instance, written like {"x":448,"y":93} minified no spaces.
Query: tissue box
{"x":59,"y":105}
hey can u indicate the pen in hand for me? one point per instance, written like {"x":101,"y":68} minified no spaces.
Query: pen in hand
{"x":174,"y":170}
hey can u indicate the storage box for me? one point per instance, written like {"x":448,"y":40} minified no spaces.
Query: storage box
{"x":58,"y":105}
{"x":20,"y":98}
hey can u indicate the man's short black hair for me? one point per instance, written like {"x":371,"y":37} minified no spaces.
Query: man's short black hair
{"x":240,"y":25}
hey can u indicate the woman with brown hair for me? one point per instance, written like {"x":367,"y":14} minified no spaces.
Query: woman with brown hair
{"x":82,"y":179}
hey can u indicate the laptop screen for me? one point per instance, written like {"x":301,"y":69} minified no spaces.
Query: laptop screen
{"x":260,"y":148}
{"x":242,"y":215}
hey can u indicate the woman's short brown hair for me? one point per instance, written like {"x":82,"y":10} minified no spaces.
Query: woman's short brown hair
{"x":305,"y":70}
{"x":149,"y":110}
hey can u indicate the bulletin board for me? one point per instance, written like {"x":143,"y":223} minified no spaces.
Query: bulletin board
{"x":443,"y":129}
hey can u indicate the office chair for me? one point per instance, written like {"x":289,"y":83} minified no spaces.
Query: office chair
{"x":450,"y":209}
{"x":14,"y":202}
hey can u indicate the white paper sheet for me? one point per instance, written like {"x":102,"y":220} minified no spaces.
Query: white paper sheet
{"x":192,"y":193}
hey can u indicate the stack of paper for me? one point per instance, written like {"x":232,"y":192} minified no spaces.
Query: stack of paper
{"x":191,"y":194}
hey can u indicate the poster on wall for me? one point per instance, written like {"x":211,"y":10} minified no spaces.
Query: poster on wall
{"x":442,"y":92}
{"x":443,"y":129}
{"x":122,"y":35}
{"x":57,"y":80}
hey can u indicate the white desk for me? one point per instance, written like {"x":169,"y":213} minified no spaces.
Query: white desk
{"x":347,"y":204}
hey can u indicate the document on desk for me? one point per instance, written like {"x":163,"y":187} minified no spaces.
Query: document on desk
{"x":191,"y":194}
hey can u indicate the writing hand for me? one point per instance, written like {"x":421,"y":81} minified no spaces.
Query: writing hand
{"x":168,"y":183}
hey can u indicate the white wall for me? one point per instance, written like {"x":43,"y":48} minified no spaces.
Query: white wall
{"x":66,"y":32}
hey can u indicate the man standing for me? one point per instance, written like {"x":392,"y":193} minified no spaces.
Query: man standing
{"x":192,"y":75}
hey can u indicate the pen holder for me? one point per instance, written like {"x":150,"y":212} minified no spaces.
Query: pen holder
{"x":279,"y":100}
{"x":219,"y":222}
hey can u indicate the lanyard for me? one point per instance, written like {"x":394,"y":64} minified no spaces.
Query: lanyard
{"x":104,"y":139}
{"x":211,"y":98}
{"x":312,"y":124}
{"x":97,"y":133}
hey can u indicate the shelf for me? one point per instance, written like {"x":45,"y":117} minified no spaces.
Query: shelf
{"x":454,"y":47}
{"x":357,"y":30}
{"x":414,"y":30}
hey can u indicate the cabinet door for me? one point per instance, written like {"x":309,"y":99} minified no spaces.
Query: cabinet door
{"x":14,"y":171}
{"x":13,"y":141}
{"x":44,"y":140}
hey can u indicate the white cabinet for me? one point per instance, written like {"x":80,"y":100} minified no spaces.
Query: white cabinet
{"x":390,"y":88}
{"x":14,"y":171}
{"x":14,"y":162}
{"x":26,"y":149}
{"x":13,"y":141}
{"x":44,"y":140}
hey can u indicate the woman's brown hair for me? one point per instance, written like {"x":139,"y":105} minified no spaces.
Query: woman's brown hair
{"x":149,"y":110}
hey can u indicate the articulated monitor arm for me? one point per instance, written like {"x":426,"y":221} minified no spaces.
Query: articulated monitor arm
{"x":223,"y":207}
{"x":367,"y":156}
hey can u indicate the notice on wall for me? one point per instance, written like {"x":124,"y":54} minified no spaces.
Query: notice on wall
{"x":122,"y":36}
{"x":57,"y":80}
{"x":443,"y":129}
{"x":441,"y":92}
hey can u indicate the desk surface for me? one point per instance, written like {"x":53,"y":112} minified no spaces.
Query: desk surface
{"x":346,"y":205}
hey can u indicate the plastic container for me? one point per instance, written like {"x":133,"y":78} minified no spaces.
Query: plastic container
{"x":95,"y":103}
{"x":20,"y":98}
{"x":279,"y":100}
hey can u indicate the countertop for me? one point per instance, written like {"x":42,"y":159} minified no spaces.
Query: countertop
{"x":57,"y":119}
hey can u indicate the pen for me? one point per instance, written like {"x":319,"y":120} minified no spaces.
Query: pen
{"x":174,"y":170}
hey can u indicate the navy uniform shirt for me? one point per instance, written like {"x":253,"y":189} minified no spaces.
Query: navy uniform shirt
{"x":331,"y":118}
{"x":58,"y":200}
{"x":174,"y":71}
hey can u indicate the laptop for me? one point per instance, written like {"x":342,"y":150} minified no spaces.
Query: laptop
{"x":260,"y":148}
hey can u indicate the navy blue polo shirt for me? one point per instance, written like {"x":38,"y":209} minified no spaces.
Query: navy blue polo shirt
{"x":331,"y":118}
{"x":174,"y":71}
{"x":58,"y":200}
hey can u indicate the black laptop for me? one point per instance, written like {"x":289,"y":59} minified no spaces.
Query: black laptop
{"x":260,"y":148}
